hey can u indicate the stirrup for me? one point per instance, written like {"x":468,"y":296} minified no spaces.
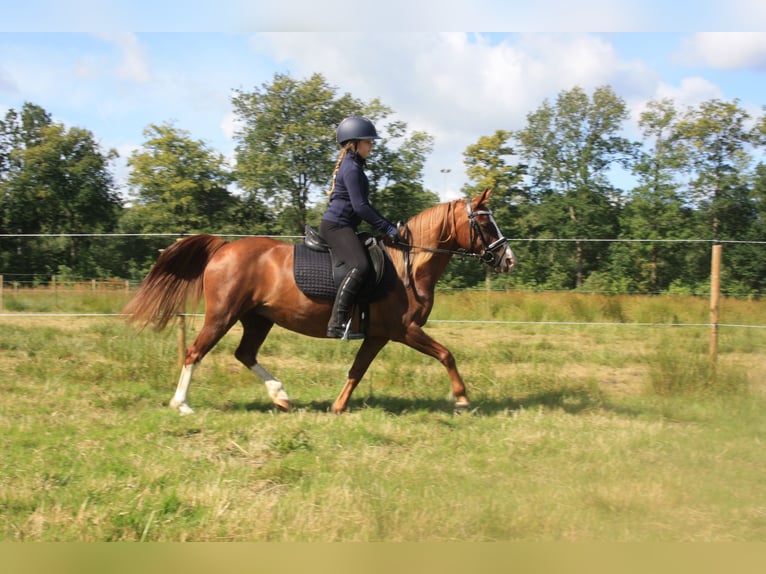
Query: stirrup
{"x":348,"y":334}
{"x":344,"y":333}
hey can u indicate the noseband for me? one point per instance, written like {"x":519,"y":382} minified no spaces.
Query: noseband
{"x":491,"y":254}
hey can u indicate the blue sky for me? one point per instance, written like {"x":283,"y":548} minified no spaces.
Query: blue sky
{"x":457,"y":86}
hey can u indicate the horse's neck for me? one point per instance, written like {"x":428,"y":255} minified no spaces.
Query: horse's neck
{"x":439,"y":243}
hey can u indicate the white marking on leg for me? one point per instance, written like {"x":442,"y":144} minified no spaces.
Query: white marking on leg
{"x":276,"y":391}
{"x":182,"y":391}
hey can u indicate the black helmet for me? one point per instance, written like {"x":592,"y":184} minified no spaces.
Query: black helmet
{"x":356,"y":128}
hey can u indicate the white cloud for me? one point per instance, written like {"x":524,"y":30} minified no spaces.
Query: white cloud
{"x":229,"y":124}
{"x":7,"y":84}
{"x":727,"y":50}
{"x":458,"y":86}
{"x":134,"y":65}
{"x":690,"y":92}
{"x":121,"y":170}
{"x":455,"y":86}
{"x":455,"y":80}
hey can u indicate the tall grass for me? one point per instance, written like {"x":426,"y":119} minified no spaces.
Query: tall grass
{"x":606,"y":432}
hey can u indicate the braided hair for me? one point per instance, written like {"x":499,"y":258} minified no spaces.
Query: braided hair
{"x":349,"y":146}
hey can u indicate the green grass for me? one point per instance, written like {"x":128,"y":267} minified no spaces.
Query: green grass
{"x":576,"y":433}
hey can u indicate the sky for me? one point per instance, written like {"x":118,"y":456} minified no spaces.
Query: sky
{"x":116,"y":68}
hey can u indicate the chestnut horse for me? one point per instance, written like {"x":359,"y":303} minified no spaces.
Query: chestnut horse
{"x":251,"y":280}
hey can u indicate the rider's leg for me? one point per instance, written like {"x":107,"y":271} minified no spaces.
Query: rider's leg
{"x":339,"y":326}
{"x":348,"y":250}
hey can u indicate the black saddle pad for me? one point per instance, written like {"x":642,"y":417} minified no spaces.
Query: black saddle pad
{"x":314,"y":275}
{"x":313,"y":272}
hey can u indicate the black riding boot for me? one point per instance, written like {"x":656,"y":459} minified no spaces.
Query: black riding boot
{"x":339,"y":326}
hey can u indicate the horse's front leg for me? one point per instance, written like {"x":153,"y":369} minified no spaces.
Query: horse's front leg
{"x":419,"y":340}
{"x":367,"y":352}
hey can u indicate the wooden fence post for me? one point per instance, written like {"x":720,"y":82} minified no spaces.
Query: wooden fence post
{"x":715,"y":296}
{"x":181,"y":339}
{"x":1,"y":292}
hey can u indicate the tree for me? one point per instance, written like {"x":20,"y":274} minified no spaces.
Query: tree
{"x":286,"y":141}
{"x":716,"y":139}
{"x":286,"y":146}
{"x":396,"y":173}
{"x":179,"y":184}
{"x":490,"y":163}
{"x":570,"y":148}
{"x":18,"y":132}
{"x":656,"y":208}
{"x":744,"y":264}
{"x":55,"y":180}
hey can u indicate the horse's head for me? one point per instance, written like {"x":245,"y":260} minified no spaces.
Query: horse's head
{"x":486,"y":239}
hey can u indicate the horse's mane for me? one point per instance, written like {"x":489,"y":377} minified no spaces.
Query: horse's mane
{"x":432,"y":227}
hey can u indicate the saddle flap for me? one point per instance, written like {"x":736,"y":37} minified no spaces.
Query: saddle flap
{"x":314,"y":241}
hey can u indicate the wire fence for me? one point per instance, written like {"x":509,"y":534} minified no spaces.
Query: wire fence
{"x":714,"y":325}
{"x":68,"y":281}
{"x":68,"y":285}
{"x":452,"y":321}
{"x":293,"y":237}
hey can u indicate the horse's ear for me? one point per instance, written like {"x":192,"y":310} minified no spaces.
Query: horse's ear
{"x":483,"y":197}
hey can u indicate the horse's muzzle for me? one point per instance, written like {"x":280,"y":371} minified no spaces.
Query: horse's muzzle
{"x":507,"y":261}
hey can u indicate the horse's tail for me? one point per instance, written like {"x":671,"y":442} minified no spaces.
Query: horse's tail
{"x":176,"y":276}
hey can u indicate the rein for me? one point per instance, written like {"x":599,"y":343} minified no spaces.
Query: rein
{"x":406,"y":248}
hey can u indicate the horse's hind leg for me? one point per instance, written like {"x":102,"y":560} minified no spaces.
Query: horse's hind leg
{"x":209,"y":335}
{"x":255,"y":330}
{"x":179,"y":399}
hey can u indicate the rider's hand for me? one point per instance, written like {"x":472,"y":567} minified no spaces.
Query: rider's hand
{"x":392,"y":239}
{"x":397,"y":239}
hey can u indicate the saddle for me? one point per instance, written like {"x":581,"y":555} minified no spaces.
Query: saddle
{"x":318,"y":274}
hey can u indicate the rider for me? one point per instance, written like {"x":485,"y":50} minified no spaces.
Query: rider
{"x":349,"y":206}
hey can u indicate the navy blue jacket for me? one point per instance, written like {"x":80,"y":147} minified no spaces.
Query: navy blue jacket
{"x":349,"y":204}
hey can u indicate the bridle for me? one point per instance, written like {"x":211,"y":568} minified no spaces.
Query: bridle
{"x":491,"y":253}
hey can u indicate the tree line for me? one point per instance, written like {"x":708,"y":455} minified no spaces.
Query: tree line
{"x":695,"y":179}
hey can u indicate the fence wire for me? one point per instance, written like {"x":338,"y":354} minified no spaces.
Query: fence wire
{"x":433,"y":321}
{"x":449,"y":321}
{"x":511,"y":239}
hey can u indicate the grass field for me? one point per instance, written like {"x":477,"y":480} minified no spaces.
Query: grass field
{"x":607,"y":432}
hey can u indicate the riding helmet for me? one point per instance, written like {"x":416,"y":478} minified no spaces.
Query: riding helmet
{"x":356,"y":128}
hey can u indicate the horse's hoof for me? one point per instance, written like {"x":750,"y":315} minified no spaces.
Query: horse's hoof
{"x":461,"y":405}
{"x":182,"y":408}
{"x":337,"y":409}
{"x":283,"y":405}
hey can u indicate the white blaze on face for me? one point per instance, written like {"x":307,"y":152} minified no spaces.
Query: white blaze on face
{"x":509,"y":259}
